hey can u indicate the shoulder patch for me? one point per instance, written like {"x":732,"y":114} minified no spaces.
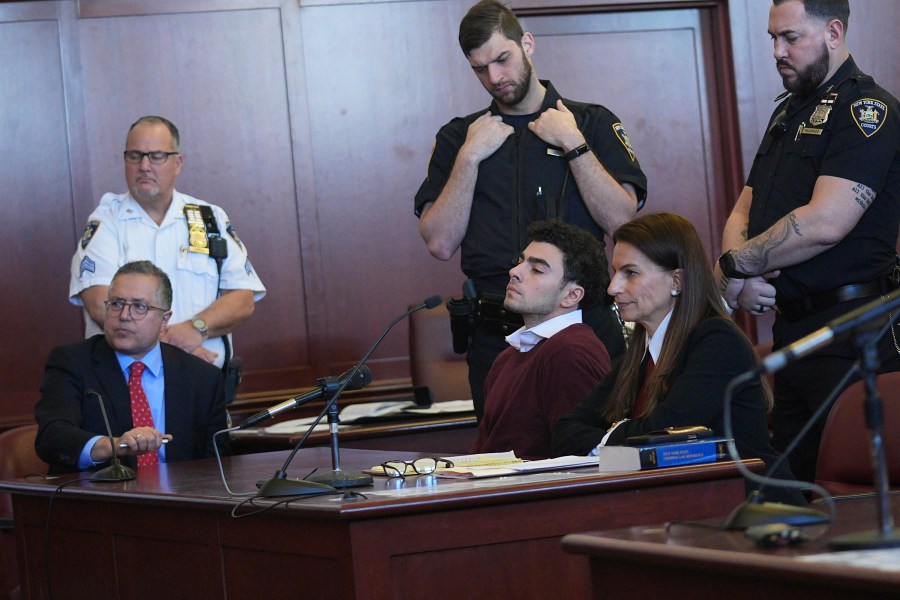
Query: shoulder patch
{"x":623,"y":137}
{"x":231,"y":231}
{"x":88,"y":234}
{"x":869,"y":115}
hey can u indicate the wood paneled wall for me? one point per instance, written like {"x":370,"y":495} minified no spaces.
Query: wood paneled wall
{"x":311,"y":122}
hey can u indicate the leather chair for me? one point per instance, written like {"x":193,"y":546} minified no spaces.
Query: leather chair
{"x":17,"y":459}
{"x":845,"y":465}
{"x":438,"y":373}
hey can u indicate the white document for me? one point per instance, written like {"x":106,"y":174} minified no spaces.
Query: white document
{"x":462,"y":470}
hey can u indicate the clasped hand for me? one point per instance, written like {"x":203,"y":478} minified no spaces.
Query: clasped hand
{"x":186,"y":337}
{"x":754,"y":294}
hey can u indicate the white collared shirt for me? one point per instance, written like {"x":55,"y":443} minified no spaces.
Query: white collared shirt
{"x":120,"y":231}
{"x":655,"y":342}
{"x":654,"y":346}
{"x":523,"y":339}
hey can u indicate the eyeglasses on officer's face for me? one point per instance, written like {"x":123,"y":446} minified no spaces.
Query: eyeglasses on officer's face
{"x":138,"y":310}
{"x":420,"y":466}
{"x":157,"y":157}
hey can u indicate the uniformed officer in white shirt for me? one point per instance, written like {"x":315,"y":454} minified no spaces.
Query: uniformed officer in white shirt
{"x":215,"y":285}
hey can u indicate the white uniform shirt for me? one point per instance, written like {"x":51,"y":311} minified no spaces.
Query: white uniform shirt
{"x":119,"y":232}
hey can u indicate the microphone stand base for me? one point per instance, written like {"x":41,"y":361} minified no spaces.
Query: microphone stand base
{"x":115,"y":472}
{"x":749,"y":514}
{"x":866,"y":540}
{"x":343,"y":479}
{"x":292,"y":487}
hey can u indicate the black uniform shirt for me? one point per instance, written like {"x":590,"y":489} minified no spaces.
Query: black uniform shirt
{"x":526,"y":180}
{"x":859,"y":141}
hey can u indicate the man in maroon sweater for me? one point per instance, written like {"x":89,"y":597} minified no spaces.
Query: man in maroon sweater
{"x":554,"y":360}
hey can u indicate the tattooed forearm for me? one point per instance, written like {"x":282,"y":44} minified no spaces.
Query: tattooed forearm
{"x":753,"y":259}
{"x":864,"y":195}
{"x":795,"y":224}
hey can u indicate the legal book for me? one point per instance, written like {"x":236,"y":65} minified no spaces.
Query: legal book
{"x":638,"y":458}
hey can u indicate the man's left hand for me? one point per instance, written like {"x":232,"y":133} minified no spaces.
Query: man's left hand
{"x":183,"y":335}
{"x":758,"y":295}
{"x":556,"y":126}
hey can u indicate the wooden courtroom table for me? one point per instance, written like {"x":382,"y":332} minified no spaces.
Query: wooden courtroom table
{"x":450,"y":435}
{"x":693,"y":563}
{"x":175,"y":532}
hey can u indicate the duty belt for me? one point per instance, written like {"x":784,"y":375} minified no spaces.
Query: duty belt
{"x":795,"y":310}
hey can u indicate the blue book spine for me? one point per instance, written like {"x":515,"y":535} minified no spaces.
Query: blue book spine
{"x":683,"y":453}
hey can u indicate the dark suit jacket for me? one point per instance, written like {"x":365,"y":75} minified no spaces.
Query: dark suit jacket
{"x":714,"y":354}
{"x":67,"y":418}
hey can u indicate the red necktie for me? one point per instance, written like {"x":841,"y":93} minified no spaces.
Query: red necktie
{"x":140,"y":410}
{"x":642,"y":394}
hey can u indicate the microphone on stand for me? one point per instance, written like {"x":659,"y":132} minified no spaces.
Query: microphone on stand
{"x":280,"y":485}
{"x":837,"y":327}
{"x":116,"y":471}
{"x":756,"y":511}
{"x":356,"y":380}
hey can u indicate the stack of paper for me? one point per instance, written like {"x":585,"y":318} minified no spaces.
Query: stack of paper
{"x":368,"y":412}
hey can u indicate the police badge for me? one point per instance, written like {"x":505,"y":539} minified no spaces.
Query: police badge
{"x":197,"y":235}
{"x":820,"y":115}
{"x":823,"y":110}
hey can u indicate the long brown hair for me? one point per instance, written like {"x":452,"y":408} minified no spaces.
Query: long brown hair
{"x":671,"y":242}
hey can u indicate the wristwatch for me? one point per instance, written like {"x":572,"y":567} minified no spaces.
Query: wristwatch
{"x":729,"y":268}
{"x":576,"y":152}
{"x":200,"y":325}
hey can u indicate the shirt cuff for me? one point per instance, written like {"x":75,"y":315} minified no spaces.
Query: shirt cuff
{"x":84,"y":459}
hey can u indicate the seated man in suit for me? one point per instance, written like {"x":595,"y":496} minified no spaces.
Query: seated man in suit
{"x":148,"y":387}
{"x":554,"y":360}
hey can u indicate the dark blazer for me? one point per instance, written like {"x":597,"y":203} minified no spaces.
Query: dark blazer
{"x":714,"y":354}
{"x":67,"y":418}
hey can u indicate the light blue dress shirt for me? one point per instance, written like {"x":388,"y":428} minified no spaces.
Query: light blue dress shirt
{"x":153,"y":381}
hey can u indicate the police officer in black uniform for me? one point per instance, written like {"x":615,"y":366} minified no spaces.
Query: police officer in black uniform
{"x":814,"y":232}
{"x":531,"y":156}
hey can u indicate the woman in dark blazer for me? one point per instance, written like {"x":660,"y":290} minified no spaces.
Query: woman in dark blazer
{"x":684,"y":350}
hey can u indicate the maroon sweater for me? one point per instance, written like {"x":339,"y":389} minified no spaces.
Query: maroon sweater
{"x":527,"y":392}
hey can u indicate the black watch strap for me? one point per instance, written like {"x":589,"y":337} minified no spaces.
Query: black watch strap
{"x":576,"y":152}
{"x":729,"y":268}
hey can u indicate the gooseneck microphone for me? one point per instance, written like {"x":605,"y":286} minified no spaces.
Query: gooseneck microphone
{"x":280,"y":485}
{"x":351,"y":379}
{"x":115,"y":471}
{"x":835,"y":328}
